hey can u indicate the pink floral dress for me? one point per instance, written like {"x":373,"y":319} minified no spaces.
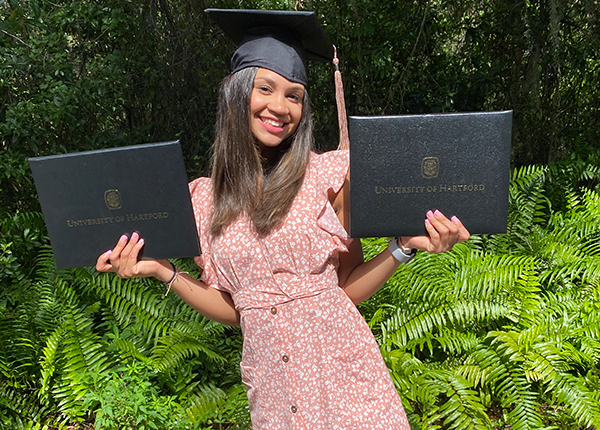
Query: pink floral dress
{"x":309,"y":359}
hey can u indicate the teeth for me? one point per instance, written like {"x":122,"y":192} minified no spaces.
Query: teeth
{"x":272,"y":122}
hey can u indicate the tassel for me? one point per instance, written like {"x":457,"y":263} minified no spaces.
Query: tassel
{"x":341,"y":104}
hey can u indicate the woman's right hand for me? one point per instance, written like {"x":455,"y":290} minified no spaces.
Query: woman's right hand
{"x":123,"y":260}
{"x":210,"y":302}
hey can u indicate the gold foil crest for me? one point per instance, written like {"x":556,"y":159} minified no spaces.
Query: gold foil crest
{"x":112,"y":198}
{"x":430,"y":167}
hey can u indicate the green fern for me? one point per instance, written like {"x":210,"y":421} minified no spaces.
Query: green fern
{"x":505,"y":323}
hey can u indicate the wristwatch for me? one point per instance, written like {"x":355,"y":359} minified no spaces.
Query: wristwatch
{"x":403,"y":255}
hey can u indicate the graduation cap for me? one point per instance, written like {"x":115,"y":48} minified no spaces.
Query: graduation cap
{"x":277,"y":40}
{"x":281,"y":41}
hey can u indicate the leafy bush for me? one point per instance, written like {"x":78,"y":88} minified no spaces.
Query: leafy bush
{"x":127,"y":399}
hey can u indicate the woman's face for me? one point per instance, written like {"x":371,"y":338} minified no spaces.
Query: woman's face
{"x":275,"y":108}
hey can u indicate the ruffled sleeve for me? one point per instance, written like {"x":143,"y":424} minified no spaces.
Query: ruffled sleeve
{"x":202,"y":202}
{"x":331,"y":169}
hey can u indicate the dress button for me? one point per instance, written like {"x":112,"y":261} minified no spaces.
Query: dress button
{"x":285,"y":358}
{"x":294,"y":409}
{"x":273,"y":310}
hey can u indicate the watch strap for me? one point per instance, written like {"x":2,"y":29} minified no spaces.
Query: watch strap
{"x":402,"y":255}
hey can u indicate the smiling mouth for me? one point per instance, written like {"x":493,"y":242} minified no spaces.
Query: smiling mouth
{"x":273,"y":122}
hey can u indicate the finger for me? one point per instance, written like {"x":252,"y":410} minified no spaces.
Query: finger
{"x":135,"y":243}
{"x":124,"y":267}
{"x":434,"y":225}
{"x":116,"y":252}
{"x":463,"y":233}
{"x":453,"y":230}
{"x":407,"y":241}
{"x":129,"y":265}
{"x":103,"y":262}
{"x":118,"y":257}
{"x":125,"y":254}
{"x":421,"y":243}
{"x":434,"y":236}
{"x":442,"y":224}
{"x":448,"y":233}
{"x":438,"y":215}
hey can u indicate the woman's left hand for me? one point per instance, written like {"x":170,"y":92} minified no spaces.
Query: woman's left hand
{"x":444,"y":233}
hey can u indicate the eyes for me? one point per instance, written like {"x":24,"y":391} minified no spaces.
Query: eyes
{"x":295,"y":95}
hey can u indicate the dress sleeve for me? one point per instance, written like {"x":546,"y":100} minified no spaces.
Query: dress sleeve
{"x":202,"y":202}
{"x":332,"y":168}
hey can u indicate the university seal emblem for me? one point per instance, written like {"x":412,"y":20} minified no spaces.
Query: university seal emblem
{"x":430,"y":167}
{"x":112,"y":198}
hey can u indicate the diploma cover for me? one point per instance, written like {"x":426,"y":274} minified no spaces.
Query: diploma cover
{"x":89,"y":199}
{"x":402,"y":166}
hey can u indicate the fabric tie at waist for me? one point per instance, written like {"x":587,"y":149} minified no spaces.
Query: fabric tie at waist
{"x":273,"y":293}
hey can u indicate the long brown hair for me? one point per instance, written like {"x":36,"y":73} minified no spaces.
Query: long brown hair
{"x":241,"y":183}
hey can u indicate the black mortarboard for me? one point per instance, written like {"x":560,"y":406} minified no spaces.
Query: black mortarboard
{"x":273,"y":39}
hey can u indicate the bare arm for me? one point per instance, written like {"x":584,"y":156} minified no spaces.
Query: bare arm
{"x":214,"y":304}
{"x":360,"y":279}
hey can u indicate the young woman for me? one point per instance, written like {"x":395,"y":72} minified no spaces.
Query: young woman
{"x":277,"y":258}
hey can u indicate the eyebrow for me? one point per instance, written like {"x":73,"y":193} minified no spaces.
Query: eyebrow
{"x":293,"y":87}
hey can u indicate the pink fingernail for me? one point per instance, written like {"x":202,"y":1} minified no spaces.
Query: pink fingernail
{"x":429,"y":214}
{"x":454,"y":219}
{"x":134,"y":236}
{"x":108,"y":252}
{"x":123,"y":238}
{"x":427,"y":222}
{"x":141,"y":241}
{"x":437,"y":213}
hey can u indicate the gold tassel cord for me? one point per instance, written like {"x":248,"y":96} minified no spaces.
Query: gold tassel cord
{"x":341,"y":104}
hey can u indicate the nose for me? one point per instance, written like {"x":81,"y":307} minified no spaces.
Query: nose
{"x":278,"y":103}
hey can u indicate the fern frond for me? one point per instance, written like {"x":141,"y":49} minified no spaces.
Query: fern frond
{"x":500,"y":371}
{"x":49,"y":361}
{"x":82,"y":353}
{"x":463,"y":409}
{"x":527,"y":203}
{"x":132,"y":300}
{"x":204,"y":401}
{"x":403,"y":325}
{"x":171,"y":350}
{"x":16,"y":347}
{"x":572,"y":394}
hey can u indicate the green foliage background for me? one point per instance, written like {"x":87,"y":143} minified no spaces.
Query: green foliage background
{"x":501,"y":333}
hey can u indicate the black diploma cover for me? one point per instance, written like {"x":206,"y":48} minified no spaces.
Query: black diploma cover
{"x":403,"y":166}
{"x":89,"y":199}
